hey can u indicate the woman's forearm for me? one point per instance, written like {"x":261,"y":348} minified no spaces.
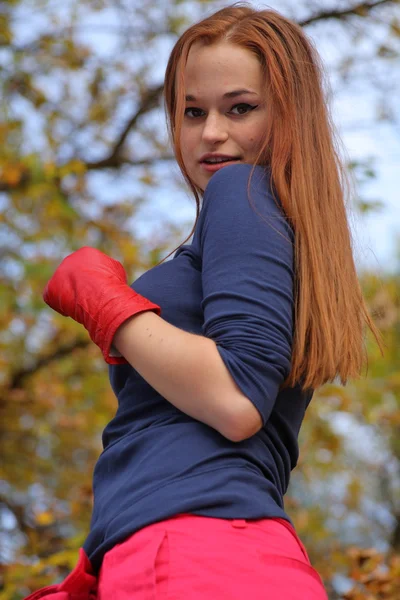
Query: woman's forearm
{"x":188,"y":371}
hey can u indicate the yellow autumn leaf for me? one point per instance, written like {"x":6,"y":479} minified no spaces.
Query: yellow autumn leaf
{"x":12,"y":174}
{"x":44,"y":518}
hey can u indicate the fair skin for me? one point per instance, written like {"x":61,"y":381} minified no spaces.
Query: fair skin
{"x":185,"y":368}
{"x":214,"y":123}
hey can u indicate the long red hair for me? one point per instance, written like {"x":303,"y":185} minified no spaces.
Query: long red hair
{"x":309,"y":177}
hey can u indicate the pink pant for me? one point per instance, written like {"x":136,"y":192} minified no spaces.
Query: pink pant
{"x":191,"y":557}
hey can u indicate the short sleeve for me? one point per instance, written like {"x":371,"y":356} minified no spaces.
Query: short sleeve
{"x":247,"y":280}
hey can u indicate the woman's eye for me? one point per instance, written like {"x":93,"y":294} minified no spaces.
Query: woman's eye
{"x":247,"y":107}
{"x":193,"y":109}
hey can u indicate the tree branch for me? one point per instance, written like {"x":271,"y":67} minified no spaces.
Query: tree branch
{"x":109,"y":162}
{"x":19,"y":376}
{"x":147,"y":161}
{"x":150,"y":100}
{"x":121,"y":160}
{"x":357,"y":10}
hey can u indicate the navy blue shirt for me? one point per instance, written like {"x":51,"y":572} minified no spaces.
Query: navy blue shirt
{"x":234,"y":284}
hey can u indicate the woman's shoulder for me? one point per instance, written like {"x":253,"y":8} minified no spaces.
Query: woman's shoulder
{"x":236,"y":174}
{"x":228,"y":193}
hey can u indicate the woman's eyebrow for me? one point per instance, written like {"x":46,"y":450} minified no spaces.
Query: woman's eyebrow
{"x":233,"y":94}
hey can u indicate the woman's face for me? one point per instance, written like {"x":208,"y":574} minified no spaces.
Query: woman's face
{"x":214,"y":123}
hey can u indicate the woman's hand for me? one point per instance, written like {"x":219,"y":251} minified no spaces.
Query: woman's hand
{"x":91,"y":288}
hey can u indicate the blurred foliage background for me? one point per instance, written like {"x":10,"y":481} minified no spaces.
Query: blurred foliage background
{"x":83,"y":153}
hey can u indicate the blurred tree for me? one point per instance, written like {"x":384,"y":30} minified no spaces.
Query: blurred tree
{"x":83,"y":150}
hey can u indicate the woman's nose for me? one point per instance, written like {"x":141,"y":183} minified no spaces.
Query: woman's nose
{"x":215,"y":129}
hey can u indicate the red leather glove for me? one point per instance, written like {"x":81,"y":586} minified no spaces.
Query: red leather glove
{"x":81,"y":584}
{"x":91,"y":288}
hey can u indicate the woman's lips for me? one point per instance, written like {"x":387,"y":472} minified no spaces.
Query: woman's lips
{"x":216,"y":166}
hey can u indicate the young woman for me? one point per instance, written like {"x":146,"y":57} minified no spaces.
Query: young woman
{"x":215,"y":354}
